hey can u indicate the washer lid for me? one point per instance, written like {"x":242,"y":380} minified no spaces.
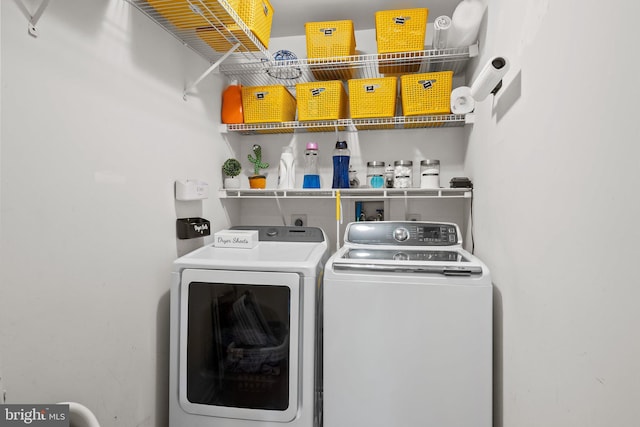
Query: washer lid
{"x":404,"y":260}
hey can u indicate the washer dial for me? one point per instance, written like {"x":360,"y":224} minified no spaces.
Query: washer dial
{"x":401,"y":234}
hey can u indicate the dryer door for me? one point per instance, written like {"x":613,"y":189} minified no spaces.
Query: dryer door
{"x":239,"y":344}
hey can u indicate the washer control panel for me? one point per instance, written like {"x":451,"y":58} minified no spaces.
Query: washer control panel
{"x":403,"y":233}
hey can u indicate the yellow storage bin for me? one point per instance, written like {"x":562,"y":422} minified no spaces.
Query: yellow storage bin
{"x":400,"y":31}
{"x":257,"y":15}
{"x":223,"y":38}
{"x":267,"y":104}
{"x":373,"y":98}
{"x":321,"y":101}
{"x":330,"y":39}
{"x":183,"y":16}
{"x":427,"y":93}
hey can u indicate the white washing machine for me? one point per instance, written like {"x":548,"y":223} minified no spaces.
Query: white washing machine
{"x":244,"y":343}
{"x":407,"y":329}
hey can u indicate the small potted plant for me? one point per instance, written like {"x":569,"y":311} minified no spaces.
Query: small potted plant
{"x":231,"y":169}
{"x":257,"y":180}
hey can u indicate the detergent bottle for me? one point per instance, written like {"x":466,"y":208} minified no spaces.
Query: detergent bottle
{"x":231,"y":112}
{"x":286,"y":171}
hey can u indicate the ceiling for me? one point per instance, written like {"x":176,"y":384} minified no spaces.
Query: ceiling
{"x":290,"y":15}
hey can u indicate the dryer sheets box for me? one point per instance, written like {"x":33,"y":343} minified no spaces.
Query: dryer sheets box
{"x":245,"y":239}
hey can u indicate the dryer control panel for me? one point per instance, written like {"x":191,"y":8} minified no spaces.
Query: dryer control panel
{"x":403,"y":233}
{"x":283,"y":233}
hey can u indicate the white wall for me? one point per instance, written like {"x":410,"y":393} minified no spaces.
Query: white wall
{"x":94,"y":134}
{"x":555,"y":164}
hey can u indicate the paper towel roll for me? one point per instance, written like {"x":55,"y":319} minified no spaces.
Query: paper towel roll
{"x":465,"y":23}
{"x":441,"y":27}
{"x":489,"y":77}
{"x":461,"y":100}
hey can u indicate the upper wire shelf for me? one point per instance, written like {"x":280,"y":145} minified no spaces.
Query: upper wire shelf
{"x":291,"y":72}
{"x":212,"y":28}
{"x":204,"y":24}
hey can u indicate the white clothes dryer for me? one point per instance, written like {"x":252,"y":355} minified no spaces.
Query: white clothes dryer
{"x":407,"y":329}
{"x":244,"y":348}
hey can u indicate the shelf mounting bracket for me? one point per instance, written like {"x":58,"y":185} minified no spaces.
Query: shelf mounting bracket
{"x":33,"y":19}
{"x":215,"y":65}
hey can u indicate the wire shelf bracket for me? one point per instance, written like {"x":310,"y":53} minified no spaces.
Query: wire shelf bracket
{"x":33,"y":19}
{"x":189,"y":90}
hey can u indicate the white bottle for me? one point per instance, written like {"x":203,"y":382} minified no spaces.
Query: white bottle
{"x":286,"y":170}
{"x":465,"y":23}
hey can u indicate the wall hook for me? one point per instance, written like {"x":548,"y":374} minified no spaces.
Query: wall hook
{"x":33,"y":19}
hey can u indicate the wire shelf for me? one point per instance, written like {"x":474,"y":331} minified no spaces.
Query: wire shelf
{"x":215,"y":18}
{"x":399,"y":122}
{"x":350,"y":193}
{"x":195,"y":23}
{"x":291,"y":72}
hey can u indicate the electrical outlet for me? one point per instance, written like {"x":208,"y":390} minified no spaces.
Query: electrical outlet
{"x":299,"y":220}
{"x":414,"y":217}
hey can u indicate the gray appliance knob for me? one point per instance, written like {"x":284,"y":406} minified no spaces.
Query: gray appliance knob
{"x":401,"y":234}
{"x":400,"y":256}
{"x":272,"y":232}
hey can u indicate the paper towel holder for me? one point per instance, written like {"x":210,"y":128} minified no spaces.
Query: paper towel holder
{"x":489,"y":81}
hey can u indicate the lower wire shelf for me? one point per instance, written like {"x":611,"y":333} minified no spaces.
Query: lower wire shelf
{"x":399,"y":122}
{"x":348,"y":193}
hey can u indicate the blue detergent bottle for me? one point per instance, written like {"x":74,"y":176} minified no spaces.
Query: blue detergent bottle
{"x":341,"y":157}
